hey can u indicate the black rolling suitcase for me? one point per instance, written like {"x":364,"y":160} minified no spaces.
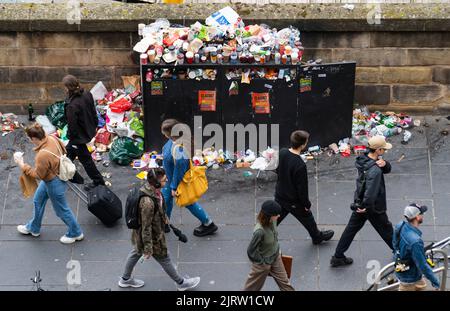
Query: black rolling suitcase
{"x":101,"y":202}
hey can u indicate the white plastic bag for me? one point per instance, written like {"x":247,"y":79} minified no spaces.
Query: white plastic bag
{"x":48,"y":127}
{"x":99,"y":91}
{"x":226,"y":17}
{"x":259,"y":164}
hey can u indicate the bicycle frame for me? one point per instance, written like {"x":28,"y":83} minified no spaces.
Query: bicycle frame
{"x":443,"y":269}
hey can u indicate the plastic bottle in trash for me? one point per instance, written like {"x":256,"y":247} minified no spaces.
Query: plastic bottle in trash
{"x":153,"y":163}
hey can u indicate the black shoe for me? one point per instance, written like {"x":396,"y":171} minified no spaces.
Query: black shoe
{"x":338,"y":261}
{"x":325,"y":235}
{"x":166,"y":228}
{"x":203,"y":230}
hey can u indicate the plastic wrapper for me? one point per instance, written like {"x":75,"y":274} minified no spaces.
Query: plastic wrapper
{"x":99,"y":91}
{"x":48,"y":127}
{"x":137,"y":126}
{"x":120,"y":105}
{"x":56,"y":114}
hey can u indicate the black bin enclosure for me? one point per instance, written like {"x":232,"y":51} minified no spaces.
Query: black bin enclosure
{"x":319,"y":100}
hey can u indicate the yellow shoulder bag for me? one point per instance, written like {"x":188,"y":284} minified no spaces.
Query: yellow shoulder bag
{"x":193,"y":185}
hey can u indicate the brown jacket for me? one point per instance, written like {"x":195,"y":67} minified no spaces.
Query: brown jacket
{"x":46,"y":164}
{"x":150,"y":238}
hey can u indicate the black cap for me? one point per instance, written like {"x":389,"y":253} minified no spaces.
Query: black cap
{"x":271,"y":208}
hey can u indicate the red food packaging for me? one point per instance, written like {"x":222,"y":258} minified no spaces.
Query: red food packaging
{"x":103,"y":136}
{"x":120,"y":105}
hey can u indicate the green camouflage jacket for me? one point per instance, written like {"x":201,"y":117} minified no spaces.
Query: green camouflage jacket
{"x":150,"y":238}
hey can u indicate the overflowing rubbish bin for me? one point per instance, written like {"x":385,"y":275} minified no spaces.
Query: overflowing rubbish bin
{"x":317,"y":98}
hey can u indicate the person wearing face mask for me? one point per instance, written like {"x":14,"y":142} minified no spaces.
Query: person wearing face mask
{"x":82,"y":123}
{"x":149,"y":239}
{"x":291,"y":190}
{"x":409,"y":252}
{"x":370,"y":200}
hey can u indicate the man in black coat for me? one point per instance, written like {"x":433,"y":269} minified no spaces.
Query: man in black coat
{"x":292,"y":188}
{"x":82,"y":121}
{"x":370,"y":199}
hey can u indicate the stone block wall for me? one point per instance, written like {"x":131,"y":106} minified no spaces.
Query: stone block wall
{"x":32,"y":64}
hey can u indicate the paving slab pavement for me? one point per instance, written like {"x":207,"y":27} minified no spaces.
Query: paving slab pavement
{"x":233,"y":202}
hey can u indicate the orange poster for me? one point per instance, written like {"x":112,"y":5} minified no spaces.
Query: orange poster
{"x":260,"y":102}
{"x":207,"y":100}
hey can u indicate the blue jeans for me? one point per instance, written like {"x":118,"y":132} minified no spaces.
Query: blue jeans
{"x":54,"y":189}
{"x":195,"y":208}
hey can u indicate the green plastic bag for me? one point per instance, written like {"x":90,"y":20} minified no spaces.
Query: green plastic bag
{"x":124,"y":150}
{"x":137,"y":126}
{"x":56,"y":114}
{"x":64,"y":133}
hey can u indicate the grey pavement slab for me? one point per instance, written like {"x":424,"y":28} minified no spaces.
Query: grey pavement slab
{"x":218,"y":276}
{"x":232,"y":201}
{"x":334,"y":198}
{"x":226,"y":251}
{"x":21,"y":259}
{"x":343,"y":278}
{"x":440,"y":173}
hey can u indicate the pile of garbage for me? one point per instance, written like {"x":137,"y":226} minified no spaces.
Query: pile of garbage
{"x":224,"y":38}
{"x":366,"y":125}
{"x":9,"y":123}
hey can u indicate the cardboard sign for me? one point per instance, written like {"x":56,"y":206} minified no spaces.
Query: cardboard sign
{"x":260,"y":102}
{"x":305,"y":84}
{"x":156,"y":88}
{"x":207,"y":100}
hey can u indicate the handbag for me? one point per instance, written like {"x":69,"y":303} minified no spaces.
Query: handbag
{"x":66,"y":167}
{"x":287,"y":263}
{"x":193,"y":185}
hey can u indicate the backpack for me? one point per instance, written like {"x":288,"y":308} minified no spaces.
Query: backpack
{"x":66,"y":167}
{"x":132,"y":208}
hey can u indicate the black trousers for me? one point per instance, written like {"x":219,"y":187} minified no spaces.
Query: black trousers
{"x":305,"y":217}
{"x":82,"y":152}
{"x":380,"y":222}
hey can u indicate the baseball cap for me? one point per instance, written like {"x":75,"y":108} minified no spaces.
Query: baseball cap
{"x":379,"y":142}
{"x":271,"y":208}
{"x":413,"y":210}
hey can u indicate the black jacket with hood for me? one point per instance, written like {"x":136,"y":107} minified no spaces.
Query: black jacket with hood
{"x":81,"y":117}
{"x":374,"y":197}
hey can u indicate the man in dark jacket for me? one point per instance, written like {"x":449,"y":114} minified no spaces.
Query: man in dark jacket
{"x":292,"y":188}
{"x":82,"y":121}
{"x":370,"y":198}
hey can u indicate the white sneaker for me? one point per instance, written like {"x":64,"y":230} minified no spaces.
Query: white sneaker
{"x":188,"y":283}
{"x":66,"y":240}
{"x":23,"y":229}
{"x":132,"y":282}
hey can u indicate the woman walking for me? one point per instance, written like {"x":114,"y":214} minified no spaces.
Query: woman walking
{"x":149,"y":240}
{"x":48,"y":149}
{"x":264,"y":251}
{"x":176,"y":163}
